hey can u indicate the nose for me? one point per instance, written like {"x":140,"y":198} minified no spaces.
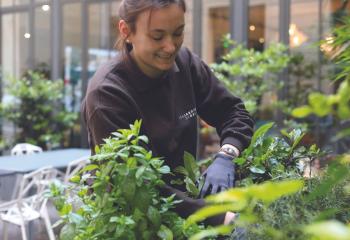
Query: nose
{"x":169,"y":45}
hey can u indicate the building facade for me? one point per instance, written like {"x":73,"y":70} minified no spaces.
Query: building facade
{"x":70,"y":38}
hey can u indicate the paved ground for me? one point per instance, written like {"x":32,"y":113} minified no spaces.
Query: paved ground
{"x":38,"y":230}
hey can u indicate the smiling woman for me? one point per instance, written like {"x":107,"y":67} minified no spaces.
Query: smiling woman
{"x":157,"y":80}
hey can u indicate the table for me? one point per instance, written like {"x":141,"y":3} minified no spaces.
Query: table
{"x":13,"y":166}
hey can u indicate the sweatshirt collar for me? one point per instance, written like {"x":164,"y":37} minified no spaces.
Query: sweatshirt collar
{"x":139,"y":80}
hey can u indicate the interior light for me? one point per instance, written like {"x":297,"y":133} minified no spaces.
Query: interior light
{"x":261,"y":40}
{"x":27,"y":35}
{"x":296,"y":41}
{"x":292,"y":29}
{"x":252,"y":28}
{"x":45,"y":7}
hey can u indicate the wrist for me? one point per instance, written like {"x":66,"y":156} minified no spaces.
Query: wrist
{"x":230,"y":150}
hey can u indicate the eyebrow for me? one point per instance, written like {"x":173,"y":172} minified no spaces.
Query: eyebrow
{"x":161,"y":30}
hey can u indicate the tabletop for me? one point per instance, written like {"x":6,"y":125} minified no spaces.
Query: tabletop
{"x":55,"y":158}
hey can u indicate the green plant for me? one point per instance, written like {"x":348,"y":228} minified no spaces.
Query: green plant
{"x":274,"y":157}
{"x":37,"y":111}
{"x":125,"y":202}
{"x":287,"y":209}
{"x":337,"y":104}
{"x":248,"y":73}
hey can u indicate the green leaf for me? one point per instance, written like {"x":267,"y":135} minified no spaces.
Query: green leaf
{"x":154,"y":216}
{"x":191,"y":187}
{"x":68,"y":232}
{"x":165,"y":233}
{"x":164,"y":169}
{"x":140,"y":171}
{"x":319,"y":104}
{"x":89,"y":167}
{"x":329,"y":230}
{"x":210,"y":211}
{"x":190,"y":166}
{"x":211,"y":232}
{"x":271,"y":191}
{"x":257,"y":169}
{"x":75,"y":179}
{"x":144,"y":139}
{"x":261,"y":132}
{"x":181,"y":170}
{"x":302,"y":112}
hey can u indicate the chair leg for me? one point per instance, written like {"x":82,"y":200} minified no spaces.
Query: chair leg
{"x":23,"y":231}
{"x":48,"y":225}
{"x":5,"y":233}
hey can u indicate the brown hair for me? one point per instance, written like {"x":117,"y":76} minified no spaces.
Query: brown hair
{"x":129,"y":10}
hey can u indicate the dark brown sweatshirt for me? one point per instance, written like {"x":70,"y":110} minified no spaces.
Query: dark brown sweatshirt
{"x":119,"y":93}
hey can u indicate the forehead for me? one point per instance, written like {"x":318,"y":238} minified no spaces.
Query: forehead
{"x":166,"y":19}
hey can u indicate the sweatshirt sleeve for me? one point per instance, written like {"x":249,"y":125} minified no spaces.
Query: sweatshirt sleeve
{"x":218,"y":107}
{"x":105,"y":112}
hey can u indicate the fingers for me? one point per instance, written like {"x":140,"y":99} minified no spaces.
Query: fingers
{"x":205,"y":189}
{"x":230,"y":181}
{"x":214,"y":189}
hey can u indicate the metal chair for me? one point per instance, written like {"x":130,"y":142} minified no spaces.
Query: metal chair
{"x":30,"y":203}
{"x":25,"y":148}
{"x":74,"y":167}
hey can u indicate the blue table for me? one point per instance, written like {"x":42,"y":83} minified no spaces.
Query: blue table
{"x":13,"y":166}
{"x":55,"y":158}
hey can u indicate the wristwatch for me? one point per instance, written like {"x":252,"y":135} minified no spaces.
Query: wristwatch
{"x":229,"y":151}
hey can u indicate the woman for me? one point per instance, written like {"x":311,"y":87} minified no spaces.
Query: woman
{"x":165,"y":85}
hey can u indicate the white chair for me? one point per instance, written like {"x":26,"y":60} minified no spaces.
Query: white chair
{"x":74,"y":167}
{"x":25,"y":148}
{"x":30,"y":203}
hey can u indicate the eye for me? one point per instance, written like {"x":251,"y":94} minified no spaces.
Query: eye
{"x":179,"y":34}
{"x":156,"y":37}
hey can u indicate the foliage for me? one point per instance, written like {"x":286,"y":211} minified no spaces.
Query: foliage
{"x":36,"y":110}
{"x":287,"y":209}
{"x":274,"y":157}
{"x":125,"y":202}
{"x":337,"y":104}
{"x":299,"y":70}
{"x":248,"y":74}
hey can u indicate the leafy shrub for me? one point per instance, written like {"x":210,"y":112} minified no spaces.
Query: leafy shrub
{"x":125,"y":202}
{"x":258,"y":70}
{"x":284,"y":205}
{"x":36,"y":110}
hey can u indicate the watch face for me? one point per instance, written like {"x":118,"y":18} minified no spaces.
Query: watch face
{"x":229,"y":151}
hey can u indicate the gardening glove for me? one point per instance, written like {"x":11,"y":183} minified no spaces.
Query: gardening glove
{"x":219,"y":176}
{"x":188,"y":205}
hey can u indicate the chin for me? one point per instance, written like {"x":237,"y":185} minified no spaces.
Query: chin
{"x":165,"y":66}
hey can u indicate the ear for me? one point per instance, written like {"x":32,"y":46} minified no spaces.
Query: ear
{"x":124,"y":29}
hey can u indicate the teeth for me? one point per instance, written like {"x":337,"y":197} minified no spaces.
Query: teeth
{"x":165,"y":57}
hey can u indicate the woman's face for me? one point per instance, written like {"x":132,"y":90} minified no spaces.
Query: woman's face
{"x":158,"y":37}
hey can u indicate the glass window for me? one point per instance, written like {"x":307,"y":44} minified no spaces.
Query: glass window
{"x":102,"y":27}
{"x":42,"y":39}
{"x":7,"y":3}
{"x":220,"y":25}
{"x":72,"y":55}
{"x":15,"y":43}
{"x":216,"y":23}
{"x":303,"y":36}
{"x":14,"y":53}
{"x":263,"y":23}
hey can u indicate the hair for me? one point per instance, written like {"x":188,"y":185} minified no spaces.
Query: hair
{"x":129,"y":10}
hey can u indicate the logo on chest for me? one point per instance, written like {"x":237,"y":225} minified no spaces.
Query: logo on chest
{"x":188,"y":115}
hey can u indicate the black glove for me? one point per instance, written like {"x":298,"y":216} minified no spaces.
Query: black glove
{"x":219,"y":176}
{"x":188,"y":205}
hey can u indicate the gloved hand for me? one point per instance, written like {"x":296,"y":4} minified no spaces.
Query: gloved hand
{"x":219,"y":176}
